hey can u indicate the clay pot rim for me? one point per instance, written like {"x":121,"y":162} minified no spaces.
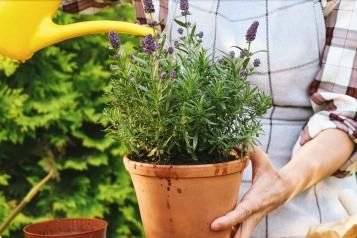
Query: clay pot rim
{"x":104,"y":223}
{"x":185,"y":171}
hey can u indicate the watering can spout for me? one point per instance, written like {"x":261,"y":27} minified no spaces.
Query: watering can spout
{"x":27,"y":26}
{"x":51,"y":33}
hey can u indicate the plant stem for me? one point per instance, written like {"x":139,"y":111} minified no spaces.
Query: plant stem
{"x":27,"y":199}
{"x":186,"y":21}
{"x":152,"y":22}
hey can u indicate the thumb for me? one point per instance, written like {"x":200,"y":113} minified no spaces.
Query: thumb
{"x":242,"y":211}
{"x":258,"y":157}
{"x":261,"y":163}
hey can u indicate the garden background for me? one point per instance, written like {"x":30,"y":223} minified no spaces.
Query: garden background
{"x":50,"y":116}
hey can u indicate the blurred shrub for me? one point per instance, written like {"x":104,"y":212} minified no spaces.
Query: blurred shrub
{"x":50,"y":107}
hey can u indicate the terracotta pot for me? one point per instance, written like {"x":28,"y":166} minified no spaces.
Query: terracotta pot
{"x":67,"y":228}
{"x":181,"y":201}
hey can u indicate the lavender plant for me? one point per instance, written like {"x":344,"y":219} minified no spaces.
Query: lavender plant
{"x":177,"y":104}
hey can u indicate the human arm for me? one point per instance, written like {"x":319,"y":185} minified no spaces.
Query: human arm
{"x":271,"y":188}
{"x":318,"y":159}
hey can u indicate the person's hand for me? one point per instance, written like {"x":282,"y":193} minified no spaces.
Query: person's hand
{"x":269,"y":190}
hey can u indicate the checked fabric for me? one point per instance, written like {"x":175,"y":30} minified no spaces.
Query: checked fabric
{"x":333,"y":92}
{"x":84,"y":6}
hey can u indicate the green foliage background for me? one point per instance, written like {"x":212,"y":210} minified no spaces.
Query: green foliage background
{"x":50,"y":107}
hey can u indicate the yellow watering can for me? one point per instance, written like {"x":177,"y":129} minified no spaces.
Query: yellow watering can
{"x":26,"y":26}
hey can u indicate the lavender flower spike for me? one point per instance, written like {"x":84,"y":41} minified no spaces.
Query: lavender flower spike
{"x":244,"y":73}
{"x":114,"y":39}
{"x":173,"y":74}
{"x":163,"y":75}
{"x":170,"y":50}
{"x":184,"y":7}
{"x":148,"y":44}
{"x":153,"y":23}
{"x":180,"y":31}
{"x":256,"y":62}
{"x":149,"y":6}
{"x":244,"y":53}
{"x":252,"y":32}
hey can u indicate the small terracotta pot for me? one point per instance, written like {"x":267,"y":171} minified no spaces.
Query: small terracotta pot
{"x":67,"y":228}
{"x":181,"y":201}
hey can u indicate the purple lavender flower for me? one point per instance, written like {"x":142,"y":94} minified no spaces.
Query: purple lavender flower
{"x":148,"y":44}
{"x":149,"y":6}
{"x":184,"y":7}
{"x":173,"y":74}
{"x":170,"y":50}
{"x":244,"y":53}
{"x":200,"y":34}
{"x":221,"y":61}
{"x":114,"y":39}
{"x":232,"y":53}
{"x":256,"y":62}
{"x":252,"y":32}
{"x":244,"y":73}
{"x":180,"y":30}
{"x":163,"y":75}
{"x":153,"y":23}
{"x":185,"y":13}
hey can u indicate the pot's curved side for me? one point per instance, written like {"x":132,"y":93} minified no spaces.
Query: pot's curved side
{"x":184,"y":207}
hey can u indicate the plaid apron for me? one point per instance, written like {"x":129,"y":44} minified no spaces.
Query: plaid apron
{"x":294,"y":35}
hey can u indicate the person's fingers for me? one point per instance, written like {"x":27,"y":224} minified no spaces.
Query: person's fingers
{"x":247,"y":227}
{"x":239,"y":232}
{"x":230,"y":219}
{"x":234,"y":230}
{"x":243,"y":210}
